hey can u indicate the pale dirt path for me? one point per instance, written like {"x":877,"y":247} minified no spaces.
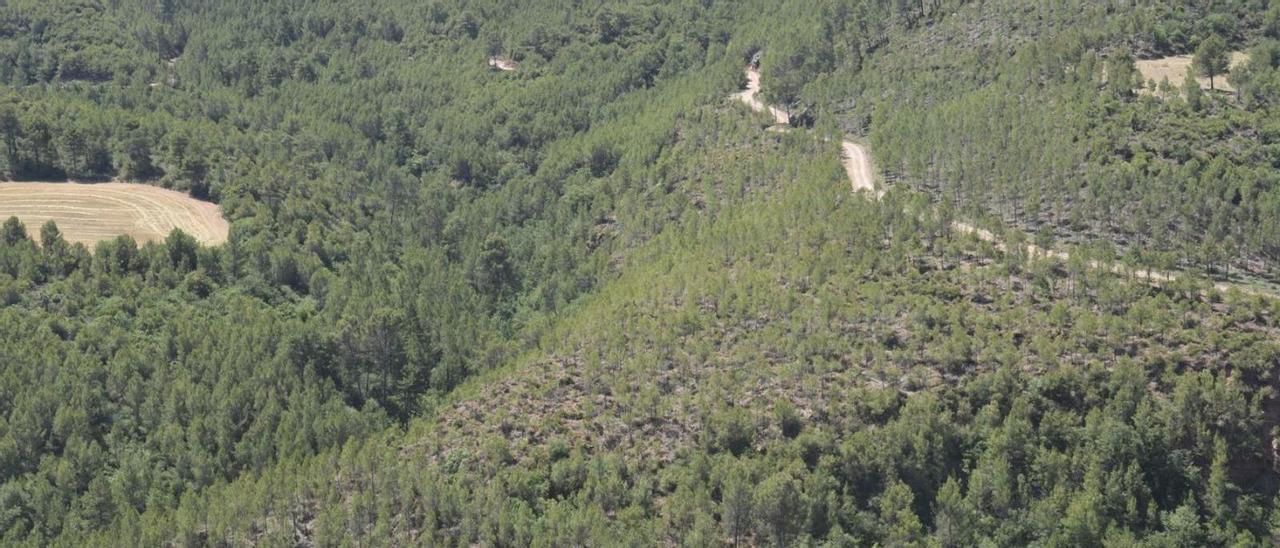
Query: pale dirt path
{"x":855,"y":161}
{"x":861,"y":177}
{"x":858,"y":168}
{"x":88,"y":213}
{"x":749,"y":97}
{"x":1154,"y":277}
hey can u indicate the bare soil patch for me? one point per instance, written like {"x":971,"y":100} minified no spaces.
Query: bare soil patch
{"x":503,"y":64}
{"x":1175,"y":70}
{"x":89,"y":213}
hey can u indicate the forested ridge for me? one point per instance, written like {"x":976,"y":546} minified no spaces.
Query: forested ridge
{"x":592,"y":301}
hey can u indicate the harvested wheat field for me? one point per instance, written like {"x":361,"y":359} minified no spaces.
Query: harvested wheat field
{"x":1175,"y":70}
{"x":88,"y":213}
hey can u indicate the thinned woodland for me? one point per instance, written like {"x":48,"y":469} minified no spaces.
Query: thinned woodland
{"x":584,"y":296}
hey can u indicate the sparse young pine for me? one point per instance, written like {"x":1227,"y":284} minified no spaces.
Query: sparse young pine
{"x":1191,"y":91}
{"x":736,"y":506}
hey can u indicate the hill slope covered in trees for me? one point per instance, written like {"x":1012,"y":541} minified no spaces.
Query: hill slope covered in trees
{"x":594,"y":301}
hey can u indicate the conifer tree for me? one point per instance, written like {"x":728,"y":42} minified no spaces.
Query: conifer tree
{"x":1212,"y":59}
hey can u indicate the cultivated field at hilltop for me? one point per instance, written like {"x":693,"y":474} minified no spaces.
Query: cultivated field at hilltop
{"x":88,"y":213}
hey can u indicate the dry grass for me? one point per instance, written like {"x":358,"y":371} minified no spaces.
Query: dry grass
{"x":88,"y":213}
{"x":1175,"y":70}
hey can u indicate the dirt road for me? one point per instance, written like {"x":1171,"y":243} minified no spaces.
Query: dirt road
{"x":856,"y":163}
{"x":862,"y":178}
{"x":750,"y":98}
{"x":859,"y":168}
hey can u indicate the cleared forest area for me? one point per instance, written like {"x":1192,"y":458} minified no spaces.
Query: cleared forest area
{"x":89,"y":213}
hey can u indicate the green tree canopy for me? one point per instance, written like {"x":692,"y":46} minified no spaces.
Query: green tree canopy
{"x":1212,"y":58}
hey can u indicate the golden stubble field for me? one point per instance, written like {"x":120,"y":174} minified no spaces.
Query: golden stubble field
{"x":88,"y":213}
{"x":1175,"y":70}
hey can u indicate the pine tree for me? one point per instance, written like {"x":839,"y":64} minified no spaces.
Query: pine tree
{"x":953,"y":518}
{"x":735,"y":508}
{"x":898,"y":518}
{"x":1218,"y":489}
{"x":1191,"y":89}
{"x":13,"y":231}
{"x":778,"y":508}
{"x":1211,"y":58}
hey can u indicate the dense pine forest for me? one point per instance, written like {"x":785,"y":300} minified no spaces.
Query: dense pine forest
{"x":595,"y":301}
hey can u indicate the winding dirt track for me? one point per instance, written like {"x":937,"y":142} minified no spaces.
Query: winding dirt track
{"x":749,"y":96}
{"x":861,"y":177}
{"x":856,"y":163}
{"x":89,"y":213}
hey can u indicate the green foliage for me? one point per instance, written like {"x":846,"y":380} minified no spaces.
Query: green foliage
{"x":1043,"y":150}
{"x":793,"y":60}
{"x":1192,"y":92}
{"x":589,"y":302}
{"x":389,"y":241}
{"x":1211,"y":58}
{"x":778,"y":509}
{"x":1258,"y":80}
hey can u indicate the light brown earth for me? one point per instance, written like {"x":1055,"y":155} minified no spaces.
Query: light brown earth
{"x":1175,"y":70}
{"x":749,"y":96}
{"x":88,"y":213}
{"x":502,"y":63}
{"x":858,"y":167}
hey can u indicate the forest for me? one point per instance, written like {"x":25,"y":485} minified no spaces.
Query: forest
{"x":595,"y":301}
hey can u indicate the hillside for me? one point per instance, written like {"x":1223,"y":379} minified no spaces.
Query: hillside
{"x":808,"y":355}
{"x":562,"y":273}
